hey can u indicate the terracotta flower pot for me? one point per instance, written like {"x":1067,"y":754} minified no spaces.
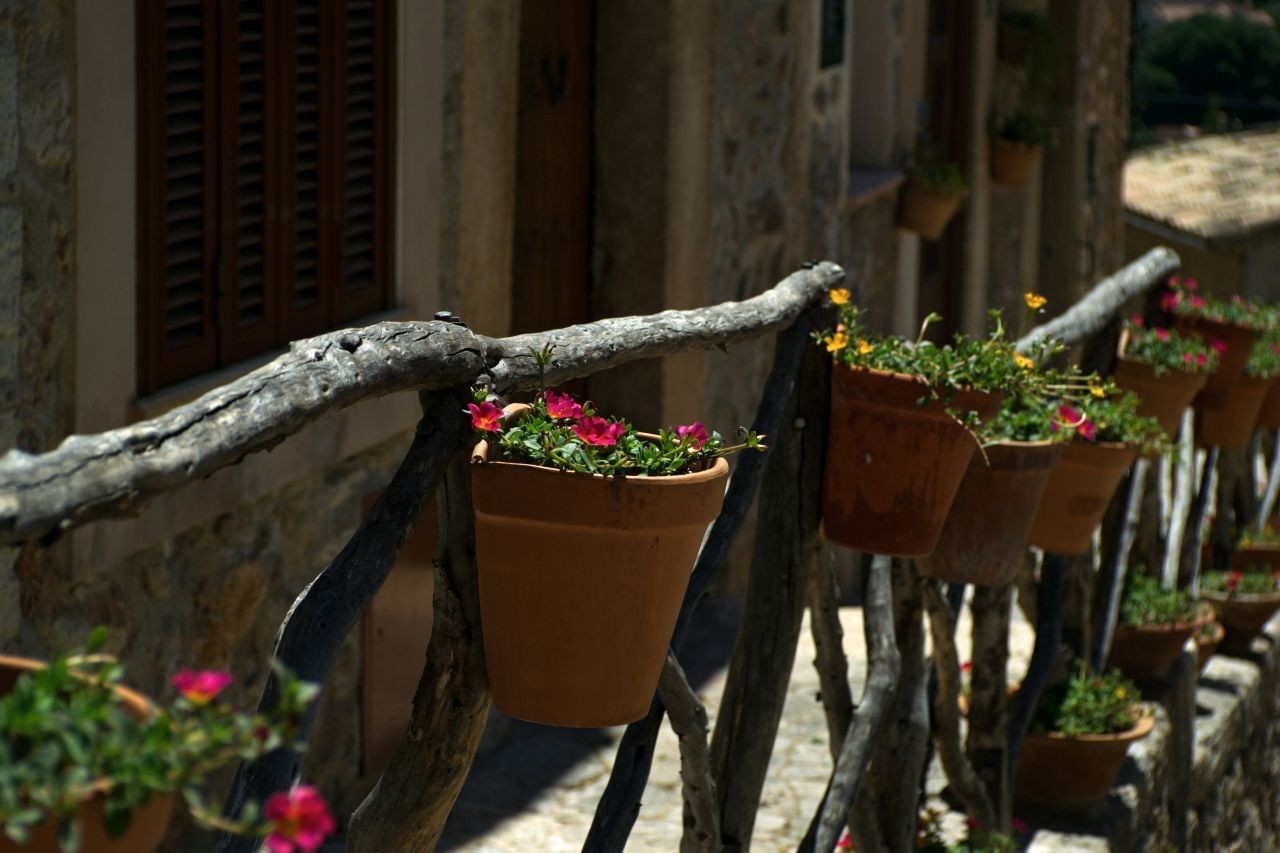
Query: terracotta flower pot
{"x":581,"y":578}
{"x":1146,"y":652}
{"x":1239,"y":341}
{"x":1231,"y":426}
{"x":147,"y":822}
{"x":1269,"y":417}
{"x":1057,"y":770}
{"x":893,"y":466}
{"x":1242,"y":615}
{"x":1256,"y":557}
{"x":1207,"y":642}
{"x":985,"y":536}
{"x":1012,"y":162}
{"x":926,"y":211}
{"x":1164,"y":397}
{"x":1076,"y":498}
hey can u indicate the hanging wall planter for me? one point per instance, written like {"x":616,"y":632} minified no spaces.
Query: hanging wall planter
{"x":581,"y":576}
{"x":1230,"y":326}
{"x":893,"y":465}
{"x":1076,"y":498}
{"x":1155,"y":624}
{"x":984,"y":539}
{"x":1013,"y":162}
{"x":1231,"y":426}
{"x":1245,"y":602}
{"x":1269,"y":416}
{"x":931,"y":196}
{"x":1164,"y":369}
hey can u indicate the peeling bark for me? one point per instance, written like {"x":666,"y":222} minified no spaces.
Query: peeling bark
{"x":698,"y":787}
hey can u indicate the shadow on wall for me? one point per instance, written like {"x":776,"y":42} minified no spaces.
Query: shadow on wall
{"x":531,"y":758}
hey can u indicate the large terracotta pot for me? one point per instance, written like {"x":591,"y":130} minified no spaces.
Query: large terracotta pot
{"x":925,"y":211}
{"x":1269,"y":417}
{"x":984,"y":538}
{"x":1256,"y":557}
{"x":581,"y":578}
{"x":147,"y":822}
{"x":1242,"y":615}
{"x":1239,"y":341}
{"x":1207,"y":642}
{"x":1012,"y":162}
{"x":893,"y":466}
{"x":1057,"y":770}
{"x":1164,"y":397}
{"x":1231,"y":426}
{"x":1076,"y":498}
{"x":1146,"y":652}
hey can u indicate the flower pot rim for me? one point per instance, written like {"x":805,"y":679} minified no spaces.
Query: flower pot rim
{"x":916,"y":184}
{"x":1196,"y":320}
{"x":1263,"y":547}
{"x":1106,"y":446}
{"x":1143,"y":724}
{"x":1206,"y":616}
{"x":1168,"y":371}
{"x":914,"y":380}
{"x":1004,"y":140}
{"x":718,"y":468}
{"x":1241,"y":597}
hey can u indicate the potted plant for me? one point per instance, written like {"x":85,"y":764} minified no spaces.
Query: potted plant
{"x":1164,"y":369}
{"x":1106,"y":434}
{"x":1229,"y":326}
{"x":902,"y":422}
{"x":1269,"y":416}
{"x":586,"y":531}
{"x":1208,"y":639}
{"x":1016,"y":144}
{"x":1078,"y":739}
{"x":93,"y":766}
{"x":984,"y":539}
{"x":931,"y":196}
{"x":1258,"y":549}
{"x":1231,"y":426}
{"x":1245,"y":601}
{"x":1155,"y":624}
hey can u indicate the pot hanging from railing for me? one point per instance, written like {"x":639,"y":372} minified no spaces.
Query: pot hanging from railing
{"x":1231,"y":426}
{"x":1163,"y":396}
{"x":1239,"y":343}
{"x":1076,"y":498}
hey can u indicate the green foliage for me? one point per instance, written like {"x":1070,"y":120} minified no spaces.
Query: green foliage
{"x":1237,"y":582}
{"x":935,"y":172}
{"x":1108,"y":414}
{"x":1023,"y":126}
{"x":1184,"y":300}
{"x":1264,"y":359}
{"x":1167,"y":351}
{"x":1088,"y":705}
{"x":1023,"y":417}
{"x":1146,"y":603}
{"x":537,"y":438}
{"x":64,"y":731}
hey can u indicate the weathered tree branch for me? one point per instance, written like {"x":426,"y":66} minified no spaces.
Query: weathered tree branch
{"x":698,"y":786}
{"x":1088,"y":316}
{"x":113,"y":474}
{"x":324,"y":613}
{"x":830,"y":661}
{"x":1268,"y":503}
{"x":620,"y":804}
{"x":1192,"y":552}
{"x":991,"y":609}
{"x":946,"y":710}
{"x":1112,"y":577}
{"x":408,"y":808}
{"x":1184,"y":479}
{"x":883,"y":666}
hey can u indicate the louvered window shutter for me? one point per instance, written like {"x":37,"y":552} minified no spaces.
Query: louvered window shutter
{"x":177,"y":204}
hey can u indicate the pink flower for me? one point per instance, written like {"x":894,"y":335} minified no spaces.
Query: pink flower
{"x":1137,"y":320}
{"x":1087,"y":430}
{"x":485,"y":416}
{"x":1187,"y":358}
{"x":598,"y":431}
{"x":300,"y":820}
{"x":1162,"y":334}
{"x":973,"y":823}
{"x":562,"y":406}
{"x":1202,"y":359}
{"x":199,"y":688}
{"x":1169,"y":301}
{"x":1190,"y":284}
{"x":695,"y":432}
{"x":1020,"y":826}
{"x":1233,"y":580}
{"x":1219,"y":346}
{"x":967,"y":666}
{"x":1198,"y":302}
{"x":845,"y":842}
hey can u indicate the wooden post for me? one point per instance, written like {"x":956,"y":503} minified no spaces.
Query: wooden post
{"x":1044,"y":656}
{"x":689,"y":722}
{"x":830,"y":661}
{"x":988,"y":741}
{"x":1113,"y":574}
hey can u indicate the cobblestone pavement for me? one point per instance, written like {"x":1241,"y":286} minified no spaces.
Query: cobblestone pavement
{"x":537,"y":790}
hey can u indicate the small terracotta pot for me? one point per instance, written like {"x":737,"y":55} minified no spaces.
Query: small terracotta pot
{"x":1146,"y":652}
{"x":1012,"y":162}
{"x":1242,"y":615}
{"x":984,"y":538}
{"x":1231,"y":426}
{"x":1164,"y":397}
{"x":1057,"y":770}
{"x":1207,"y":643}
{"x":893,"y":466}
{"x":926,"y":211}
{"x":1076,"y":498}
{"x":1239,"y":341}
{"x":1256,"y":557}
{"x":1269,"y":417}
{"x":581,"y":578}
{"x":147,"y":822}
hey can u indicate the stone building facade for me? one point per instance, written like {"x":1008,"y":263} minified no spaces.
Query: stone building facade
{"x":726,"y":142}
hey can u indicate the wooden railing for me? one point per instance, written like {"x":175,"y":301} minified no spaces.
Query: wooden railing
{"x":114,"y":474}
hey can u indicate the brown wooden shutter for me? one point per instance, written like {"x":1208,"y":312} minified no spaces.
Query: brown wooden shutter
{"x":362,"y":164}
{"x":177,"y":202}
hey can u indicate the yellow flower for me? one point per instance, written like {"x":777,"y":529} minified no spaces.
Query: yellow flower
{"x":1034,"y":300}
{"x":840,"y":296}
{"x":1120,"y":693}
{"x":1096,"y":390}
{"x":864,"y":347}
{"x":1023,"y":362}
{"x":836,"y":342}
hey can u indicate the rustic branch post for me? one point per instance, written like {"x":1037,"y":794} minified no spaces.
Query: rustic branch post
{"x":1268,"y":504}
{"x":830,"y":661}
{"x":1184,"y":478}
{"x":1113,"y":574}
{"x":991,"y":609}
{"x":1191,"y":550}
{"x":698,"y":785}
